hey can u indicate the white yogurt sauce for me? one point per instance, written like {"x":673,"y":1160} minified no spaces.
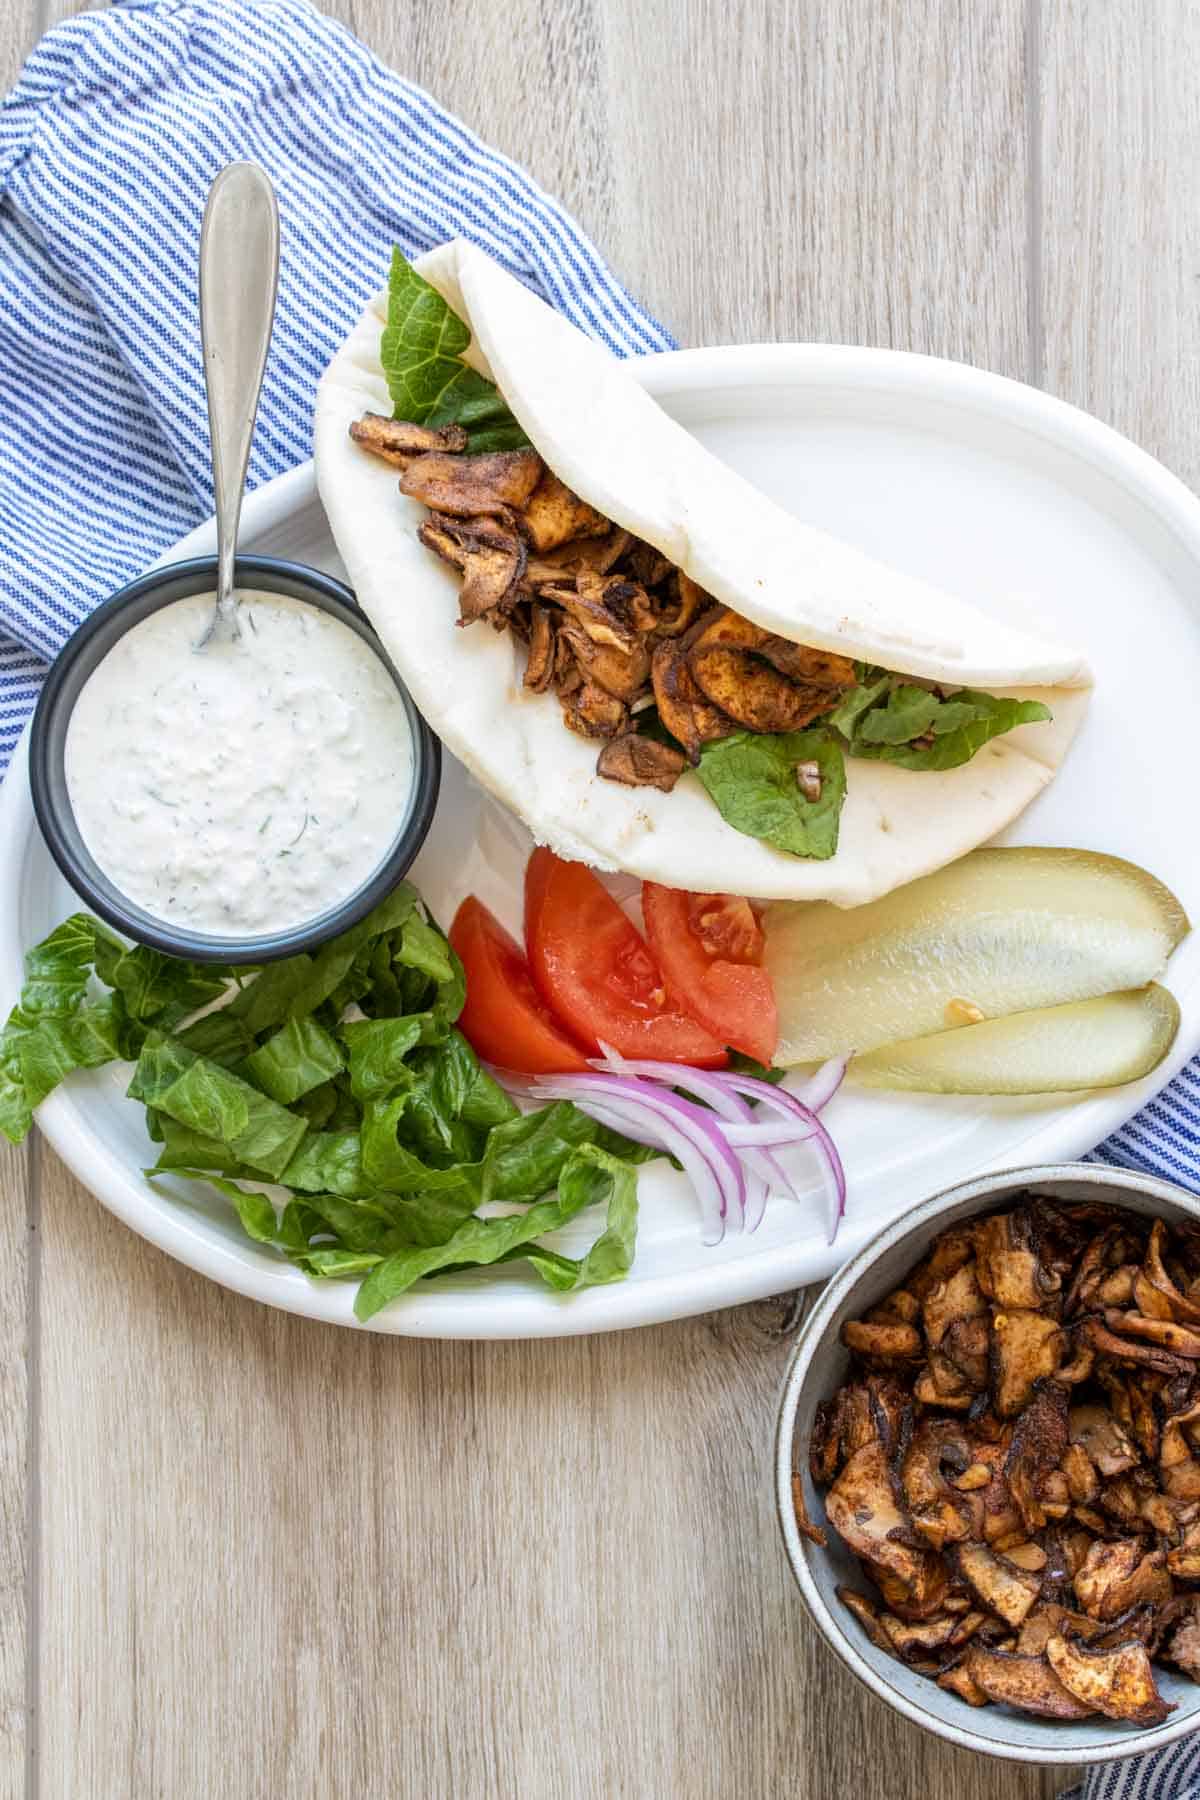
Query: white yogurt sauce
{"x":243,"y":788}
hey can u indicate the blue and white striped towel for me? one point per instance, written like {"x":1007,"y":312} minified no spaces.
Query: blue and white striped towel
{"x":108,"y":144}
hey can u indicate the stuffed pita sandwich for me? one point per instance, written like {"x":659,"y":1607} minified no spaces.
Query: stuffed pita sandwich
{"x":656,"y":667}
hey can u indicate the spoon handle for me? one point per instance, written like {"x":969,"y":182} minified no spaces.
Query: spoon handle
{"x":239,"y":274}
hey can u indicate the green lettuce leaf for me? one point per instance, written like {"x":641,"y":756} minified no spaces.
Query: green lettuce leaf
{"x":378,"y":1051}
{"x":299,"y":1057}
{"x":752,"y":779}
{"x":421,"y":352}
{"x":328,"y":1162}
{"x":960,"y":727}
{"x":217,"y":1104}
{"x":526,"y":1156}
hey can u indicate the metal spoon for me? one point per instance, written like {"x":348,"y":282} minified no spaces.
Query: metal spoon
{"x":239,"y":275}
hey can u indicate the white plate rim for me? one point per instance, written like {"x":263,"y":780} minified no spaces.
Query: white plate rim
{"x":1063,"y":1137}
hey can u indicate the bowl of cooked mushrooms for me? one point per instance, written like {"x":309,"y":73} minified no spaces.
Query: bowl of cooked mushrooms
{"x":988,"y":1464}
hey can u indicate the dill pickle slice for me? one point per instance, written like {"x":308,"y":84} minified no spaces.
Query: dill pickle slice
{"x":1000,"y":931}
{"x":1053,"y":1050}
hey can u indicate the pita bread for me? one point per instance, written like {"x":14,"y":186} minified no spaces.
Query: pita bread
{"x":603,"y":435}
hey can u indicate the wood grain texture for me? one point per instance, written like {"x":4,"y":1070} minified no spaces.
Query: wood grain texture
{"x":278,"y":1558}
{"x":1120,"y":186}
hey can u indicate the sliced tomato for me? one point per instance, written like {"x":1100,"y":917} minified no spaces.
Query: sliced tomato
{"x":710,"y":950}
{"x":592,"y":967}
{"x":503,"y":1019}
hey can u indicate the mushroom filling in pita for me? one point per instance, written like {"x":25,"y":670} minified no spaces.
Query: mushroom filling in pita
{"x":646,"y":662}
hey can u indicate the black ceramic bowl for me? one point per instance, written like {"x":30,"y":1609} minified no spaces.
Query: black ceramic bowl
{"x":47,"y":774}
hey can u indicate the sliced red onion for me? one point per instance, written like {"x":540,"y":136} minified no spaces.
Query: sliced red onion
{"x":820,"y":1088}
{"x":761,"y":1168}
{"x":686,"y":1131}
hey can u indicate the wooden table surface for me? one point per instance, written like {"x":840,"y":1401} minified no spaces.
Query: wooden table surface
{"x":246,"y":1555}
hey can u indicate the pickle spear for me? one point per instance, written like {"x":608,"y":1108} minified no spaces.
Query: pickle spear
{"x":1000,"y":931}
{"x":1054,"y":1050}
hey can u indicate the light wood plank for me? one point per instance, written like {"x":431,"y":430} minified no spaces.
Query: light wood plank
{"x":20,"y":23}
{"x":280,"y":1558}
{"x":1121,"y":217}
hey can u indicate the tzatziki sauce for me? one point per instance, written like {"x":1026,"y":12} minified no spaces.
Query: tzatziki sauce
{"x":243,"y":788}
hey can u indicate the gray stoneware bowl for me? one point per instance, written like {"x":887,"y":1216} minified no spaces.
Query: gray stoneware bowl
{"x":88,"y":647}
{"x":817,"y":1368}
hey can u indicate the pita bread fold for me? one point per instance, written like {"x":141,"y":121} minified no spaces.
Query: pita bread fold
{"x":601,"y":433}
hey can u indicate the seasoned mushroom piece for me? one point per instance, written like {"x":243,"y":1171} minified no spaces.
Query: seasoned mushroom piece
{"x":591,"y":555}
{"x":683,"y":709}
{"x":690,"y":602}
{"x":1010,"y":1271}
{"x":1027,"y":1682}
{"x":1183,"y":1306}
{"x":397,"y":441}
{"x":1130,"y":1351}
{"x":473,"y":486}
{"x":622,"y":673}
{"x":1180,"y":1339}
{"x":553,"y":515}
{"x":489,"y":559}
{"x":861,"y":1506}
{"x":1118,"y":1683}
{"x":867,"y":1614}
{"x":882,"y":1341}
{"x":754,"y":693}
{"x":539,"y":670}
{"x":591,"y":712}
{"x":1000,"y":1585}
{"x":1026,"y":1346}
{"x":638,"y":761}
{"x":1106,"y":1444}
{"x":1038,"y":1446}
{"x":1115,"y":1576}
{"x":1178,"y":1634}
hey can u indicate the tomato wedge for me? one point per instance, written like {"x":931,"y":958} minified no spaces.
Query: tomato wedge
{"x":710,"y":950}
{"x":592,"y":967}
{"x":503,"y":1019}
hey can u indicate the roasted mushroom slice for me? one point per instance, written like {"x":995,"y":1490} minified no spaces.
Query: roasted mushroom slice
{"x":959,"y":1681}
{"x":638,"y":761}
{"x":1183,"y":1306}
{"x":882,"y":1341}
{"x":1118,"y":1683}
{"x":689,"y":603}
{"x":1130,"y":1351}
{"x":1177,"y":1634}
{"x":553,"y":515}
{"x":469,"y":487}
{"x":1181,"y":1340}
{"x":1049,"y":1620}
{"x":592,"y":712}
{"x":956,"y":1299}
{"x":1009,"y":1269}
{"x":594,"y":556}
{"x":939,"y":1513}
{"x":1000,"y":1585}
{"x":862,"y":1508}
{"x":867,"y":1614}
{"x":1027,"y":1682}
{"x":804,"y":1524}
{"x":622,"y":673}
{"x":489,"y":559}
{"x":397,"y":441}
{"x":1104,"y":1440}
{"x":1026,"y":1347}
{"x":539,"y":670}
{"x":683,"y":709}
{"x":1038,"y":1446}
{"x":1115,"y":1576}
{"x":754,"y":693}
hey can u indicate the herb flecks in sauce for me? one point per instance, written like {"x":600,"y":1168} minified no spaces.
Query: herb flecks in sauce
{"x":246,"y":787}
